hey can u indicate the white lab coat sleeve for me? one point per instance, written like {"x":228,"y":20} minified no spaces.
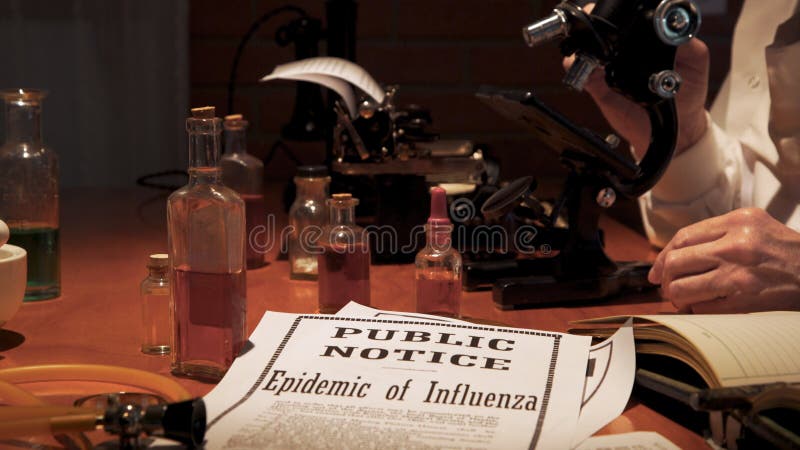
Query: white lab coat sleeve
{"x":702,"y":182}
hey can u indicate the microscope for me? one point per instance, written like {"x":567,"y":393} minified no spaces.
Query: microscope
{"x":635,"y":42}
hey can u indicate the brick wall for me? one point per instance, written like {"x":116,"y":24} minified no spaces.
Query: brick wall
{"x":438,"y":51}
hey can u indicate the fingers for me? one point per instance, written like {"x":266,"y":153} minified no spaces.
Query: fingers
{"x":692,"y":57}
{"x":687,"y":291}
{"x":596,"y":87}
{"x":693,"y":260}
{"x":714,"y":229}
{"x":692,"y":63}
{"x":708,"y":230}
{"x":567,"y":62}
{"x":626,"y":117}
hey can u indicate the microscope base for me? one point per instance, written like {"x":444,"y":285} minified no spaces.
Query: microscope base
{"x":545,"y":290}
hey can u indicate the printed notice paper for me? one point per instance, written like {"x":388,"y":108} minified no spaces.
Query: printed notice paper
{"x":321,"y":381}
{"x":609,"y":375}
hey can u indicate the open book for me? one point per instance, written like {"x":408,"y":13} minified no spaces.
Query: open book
{"x":725,"y":350}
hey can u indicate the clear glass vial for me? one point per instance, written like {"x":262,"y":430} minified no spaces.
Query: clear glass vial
{"x":244,"y":173}
{"x":206,"y":225}
{"x":154,"y":291}
{"x":438,"y":268}
{"x":307,"y":216}
{"x":344,"y":261}
{"x":29,"y":192}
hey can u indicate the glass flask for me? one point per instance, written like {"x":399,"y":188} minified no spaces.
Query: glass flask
{"x":438,"y":265}
{"x":154,"y":291}
{"x":206,"y":225}
{"x":29,"y":192}
{"x":344,"y":261}
{"x":307,"y":216}
{"x":244,"y":173}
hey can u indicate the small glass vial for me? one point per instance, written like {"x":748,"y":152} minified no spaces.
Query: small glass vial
{"x":344,"y":261}
{"x":206,"y":230}
{"x":155,"y":306}
{"x":307,"y":216}
{"x":244,"y":173}
{"x":438,"y":265}
{"x":29,"y":192}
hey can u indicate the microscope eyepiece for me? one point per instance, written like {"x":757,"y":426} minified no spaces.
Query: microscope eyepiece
{"x":551,"y":27}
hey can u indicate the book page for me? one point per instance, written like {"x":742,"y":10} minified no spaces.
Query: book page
{"x":312,"y":380}
{"x":743,"y":348}
{"x":636,"y":440}
{"x":609,"y":382}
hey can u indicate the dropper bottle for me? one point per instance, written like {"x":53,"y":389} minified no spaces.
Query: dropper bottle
{"x":438,"y":265}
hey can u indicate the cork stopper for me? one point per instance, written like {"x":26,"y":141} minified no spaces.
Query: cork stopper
{"x":235,"y":122}
{"x":158,"y":260}
{"x":203,"y":112}
{"x":31,"y":96}
{"x":342,"y":200}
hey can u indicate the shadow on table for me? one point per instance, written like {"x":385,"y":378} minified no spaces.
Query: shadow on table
{"x":632,"y":298}
{"x":10,"y":339}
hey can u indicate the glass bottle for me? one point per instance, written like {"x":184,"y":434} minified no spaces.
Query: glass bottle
{"x":307,"y":216}
{"x":244,"y":173}
{"x":29,"y":192}
{"x":438,"y":265}
{"x":206,"y":224}
{"x":344,"y":261}
{"x":154,"y":291}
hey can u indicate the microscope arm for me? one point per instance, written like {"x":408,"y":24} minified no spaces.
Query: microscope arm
{"x":663,"y":136}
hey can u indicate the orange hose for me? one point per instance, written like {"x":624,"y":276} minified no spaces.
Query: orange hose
{"x":170,"y":389}
{"x":59,"y":423}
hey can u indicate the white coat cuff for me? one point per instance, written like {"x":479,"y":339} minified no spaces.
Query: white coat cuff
{"x":696,"y":170}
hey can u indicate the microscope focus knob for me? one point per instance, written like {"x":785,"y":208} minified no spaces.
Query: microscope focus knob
{"x":606,"y":197}
{"x":676,"y":21}
{"x":579,"y":72}
{"x":665,"y":84}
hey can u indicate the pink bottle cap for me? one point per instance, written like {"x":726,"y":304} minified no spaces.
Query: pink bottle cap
{"x":439,"y":214}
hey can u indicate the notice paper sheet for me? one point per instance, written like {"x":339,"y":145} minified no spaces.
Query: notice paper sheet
{"x":609,"y":374}
{"x":323,"y":381}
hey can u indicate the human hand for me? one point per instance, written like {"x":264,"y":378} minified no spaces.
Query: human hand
{"x":630,"y":120}
{"x":741,"y":261}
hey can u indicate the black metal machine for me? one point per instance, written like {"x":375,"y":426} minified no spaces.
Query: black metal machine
{"x":635,"y":42}
{"x":390,"y":156}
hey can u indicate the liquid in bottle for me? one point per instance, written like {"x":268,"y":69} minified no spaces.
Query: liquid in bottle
{"x":344,"y":261}
{"x":438,"y":265}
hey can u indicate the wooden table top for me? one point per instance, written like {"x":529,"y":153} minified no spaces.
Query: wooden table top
{"x":106,"y":236}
